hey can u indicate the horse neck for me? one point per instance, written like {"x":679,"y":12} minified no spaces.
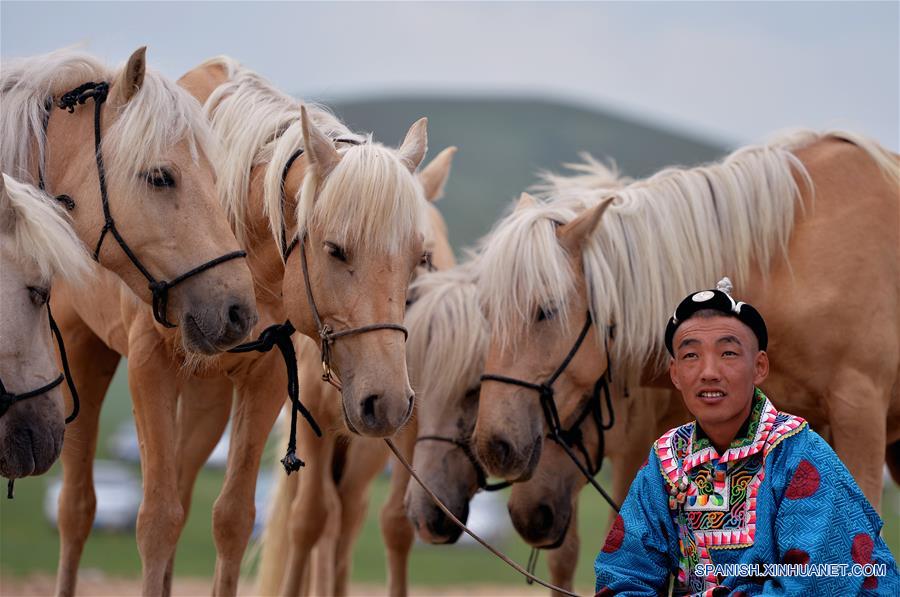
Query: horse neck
{"x":263,"y":256}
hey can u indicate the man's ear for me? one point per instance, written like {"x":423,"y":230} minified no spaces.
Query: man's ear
{"x":761,"y":367}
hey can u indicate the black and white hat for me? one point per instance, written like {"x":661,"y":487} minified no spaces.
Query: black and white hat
{"x":718,"y":299}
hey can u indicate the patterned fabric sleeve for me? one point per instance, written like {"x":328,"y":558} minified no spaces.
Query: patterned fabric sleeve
{"x":824,"y":518}
{"x":640,"y":549}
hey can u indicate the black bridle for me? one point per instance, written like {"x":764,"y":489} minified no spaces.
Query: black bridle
{"x":465,"y":447}
{"x":287,"y":249}
{"x":7,"y":398}
{"x":279,"y":335}
{"x":158,"y":288}
{"x":567,"y":438}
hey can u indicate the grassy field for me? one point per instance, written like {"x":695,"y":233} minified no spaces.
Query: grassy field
{"x":29,"y":545}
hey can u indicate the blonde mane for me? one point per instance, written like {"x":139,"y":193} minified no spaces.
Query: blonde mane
{"x":158,"y":116}
{"x":258,"y":124}
{"x":680,"y":230}
{"x":448,"y":333}
{"x":41,"y":232}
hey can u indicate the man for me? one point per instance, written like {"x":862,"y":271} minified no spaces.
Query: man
{"x":744,"y":484}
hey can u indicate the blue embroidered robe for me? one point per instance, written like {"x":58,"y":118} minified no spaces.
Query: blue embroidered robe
{"x":778,"y":495}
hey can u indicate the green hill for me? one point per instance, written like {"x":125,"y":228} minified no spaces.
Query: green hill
{"x":504,"y":142}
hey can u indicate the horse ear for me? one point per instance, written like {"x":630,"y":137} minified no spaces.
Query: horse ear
{"x":525,"y":201}
{"x":434,"y":176}
{"x":132,"y":77}
{"x":573,"y":235}
{"x":415,"y":144}
{"x":320,"y":148}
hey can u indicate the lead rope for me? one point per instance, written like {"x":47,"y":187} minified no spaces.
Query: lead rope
{"x":459,"y":523}
{"x":280,"y":335}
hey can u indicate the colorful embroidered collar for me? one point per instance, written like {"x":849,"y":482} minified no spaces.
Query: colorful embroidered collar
{"x":702,"y":483}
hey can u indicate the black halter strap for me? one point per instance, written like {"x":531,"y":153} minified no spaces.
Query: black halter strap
{"x":567,"y":438}
{"x":285,"y":247}
{"x":158,"y":288}
{"x":463,"y":445}
{"x":327,"y":336}
{"x":280,"y":335}
{"x":7,"y":398}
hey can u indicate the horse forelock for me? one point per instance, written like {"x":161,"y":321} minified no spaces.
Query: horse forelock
{"x":369,"y":202}
{"x":523,"y":267}
{"x":257,"y":124}
{"x":448,"y":334}
{"x":42,"y":234}
{"x":159,"y":115}
{"x":25,"y":85}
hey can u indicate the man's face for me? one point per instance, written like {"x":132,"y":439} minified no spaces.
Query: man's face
{"x":717,"y":363}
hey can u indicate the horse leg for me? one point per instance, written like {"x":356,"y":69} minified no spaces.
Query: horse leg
{"x":396,"y":529}
{"x":203,"y":410}
{"x":858,"y":420}
{"x":563,"y":560}
{"x":261,"y":393}
{"x":275,"y":539}
{"x":322,"y":566}
{"x":365,"y":459}
{"x":309,"y":512}
{"x":92,"y":365}
{"x":154,"y":388}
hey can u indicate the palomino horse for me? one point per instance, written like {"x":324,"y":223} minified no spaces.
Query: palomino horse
{"x":259,"y":131}
{"x":162,"y":130}
{"x":682,"y":230}
{"x":446,"y":347}
{"x":37,"y":243}
{"x":130,"y":163}
{"x":360,"y":217}
{"x":324,"y":509}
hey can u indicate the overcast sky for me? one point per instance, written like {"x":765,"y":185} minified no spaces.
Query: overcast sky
{"x":731,"y":72}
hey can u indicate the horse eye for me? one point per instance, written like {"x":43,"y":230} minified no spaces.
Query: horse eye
{"x":160,"y":178}
{"x":336,"y":251}
{"x":39,"y":296}
{"x":545,"y":314}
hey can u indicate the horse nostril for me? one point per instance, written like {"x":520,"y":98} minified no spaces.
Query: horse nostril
{"x":240,"y":319}
{"x":235,"y":315}
{"x":409,"y":408}
{"x":502,"y":451}
{"x":369,"y":408}
{"x":543,"y":519}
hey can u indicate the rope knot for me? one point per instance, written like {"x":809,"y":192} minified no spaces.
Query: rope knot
{"x":291,"y":463}
{"x":81,"y":94}
{"x":572,"y":436}
{"x":546,"y":392}
{"x":158,"y":287}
